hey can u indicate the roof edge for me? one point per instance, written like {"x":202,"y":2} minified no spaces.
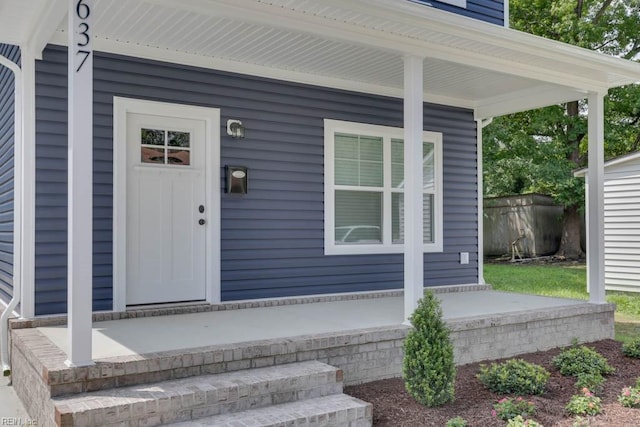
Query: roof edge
{"x":510,"y":38}
{"x":580,"y":173}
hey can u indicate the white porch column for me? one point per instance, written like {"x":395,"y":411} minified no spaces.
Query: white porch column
{"x":413,"y":240}
{"x":480,"y":124}
{"x":80,"y":227}
{"x":25,"y":185}
{"x":595,"y":200}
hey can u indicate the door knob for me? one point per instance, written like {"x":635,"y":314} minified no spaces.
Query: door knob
{"x":201,"y":221}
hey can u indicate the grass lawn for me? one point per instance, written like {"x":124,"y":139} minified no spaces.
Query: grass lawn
{"x":564,"y":282}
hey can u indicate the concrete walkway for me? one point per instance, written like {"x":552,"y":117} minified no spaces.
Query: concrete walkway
{"x":11,"y":410}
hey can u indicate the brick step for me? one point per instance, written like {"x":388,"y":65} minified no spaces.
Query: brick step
{"x":334,"y":410}
{"x":198,"y":397}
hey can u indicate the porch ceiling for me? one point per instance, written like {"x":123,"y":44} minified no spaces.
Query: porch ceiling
{"x":347,"y":44}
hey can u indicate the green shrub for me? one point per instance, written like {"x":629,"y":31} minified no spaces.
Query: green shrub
{"x":519,"y":421}
{"x":632,"y":348}
{"x":515,"y":376}
{"x":591,"y":381}
{"x":582,"y":360}
{"x":585,"y":403}
{"x":508,"y":408}
{"x":630,"y":396}
{"x":456,"y":422}
{"x":581,"y":422}
{"x":428,"y":367}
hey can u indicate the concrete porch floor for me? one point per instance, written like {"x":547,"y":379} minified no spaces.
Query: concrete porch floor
{"x":145,"y":335}
{"x":360,"y":334}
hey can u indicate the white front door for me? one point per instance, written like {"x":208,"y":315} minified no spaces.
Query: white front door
{"x":166,"y":210}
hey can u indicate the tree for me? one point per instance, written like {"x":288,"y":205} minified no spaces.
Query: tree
{"x":536,"y":151}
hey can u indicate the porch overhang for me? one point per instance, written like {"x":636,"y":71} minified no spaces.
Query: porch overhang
{"x":355,"y":45}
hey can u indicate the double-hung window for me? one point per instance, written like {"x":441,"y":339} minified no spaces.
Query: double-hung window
{"x":364,"y":189}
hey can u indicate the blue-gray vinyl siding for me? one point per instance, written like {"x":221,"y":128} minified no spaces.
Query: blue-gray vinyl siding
{"x":272,"y":237}
{"x":7,"y":134}
{"x":485,"y":10}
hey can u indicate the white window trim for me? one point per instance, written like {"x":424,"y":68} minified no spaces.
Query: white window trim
{"x":459,"y":3}
{"x":331,"y":127}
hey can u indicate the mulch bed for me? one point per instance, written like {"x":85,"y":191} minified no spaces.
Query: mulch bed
{"x":392,"y":406}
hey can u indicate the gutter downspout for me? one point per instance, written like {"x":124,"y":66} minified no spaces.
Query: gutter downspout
{"x":17,"y":236}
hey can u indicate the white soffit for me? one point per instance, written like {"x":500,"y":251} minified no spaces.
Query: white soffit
{"x":15,"y":20}
{"x":357,"y":45}
{"x":30,"y":23}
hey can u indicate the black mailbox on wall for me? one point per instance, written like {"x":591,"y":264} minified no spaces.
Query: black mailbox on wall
{"x":236,"y":179}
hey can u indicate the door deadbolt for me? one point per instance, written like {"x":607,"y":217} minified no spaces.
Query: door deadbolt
{"x":201,"y":208}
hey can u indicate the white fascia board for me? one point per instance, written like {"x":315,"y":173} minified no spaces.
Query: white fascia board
{"x":183,"y":58}
{"x":582,"y":173}
{"x":495,"y":35}
{"x":524,"y":100}
{"x":293,"y":20}
{"x":622,"y":159}
{"x":474,"y":29}
{"x":43,"y":26}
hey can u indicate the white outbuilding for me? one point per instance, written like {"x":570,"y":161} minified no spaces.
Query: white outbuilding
{"x":621,"y":222}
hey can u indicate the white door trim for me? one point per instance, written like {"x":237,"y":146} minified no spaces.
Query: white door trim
{"x":211,"y":117}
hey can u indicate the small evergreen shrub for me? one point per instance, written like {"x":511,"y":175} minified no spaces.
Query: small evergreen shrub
{"x":428,"y":367}
{"x":508,"y":408}
{"x":581,"y":360}
{"x":632,"y":348}
{"x":456,"y":422}
{"x":515,"y":376}
{"x":519,"y":421}
{"x":585,"y":403}
{"x":591,"y":381}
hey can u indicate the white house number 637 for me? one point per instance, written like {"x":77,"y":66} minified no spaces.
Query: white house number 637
{"x":83,"y":11}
